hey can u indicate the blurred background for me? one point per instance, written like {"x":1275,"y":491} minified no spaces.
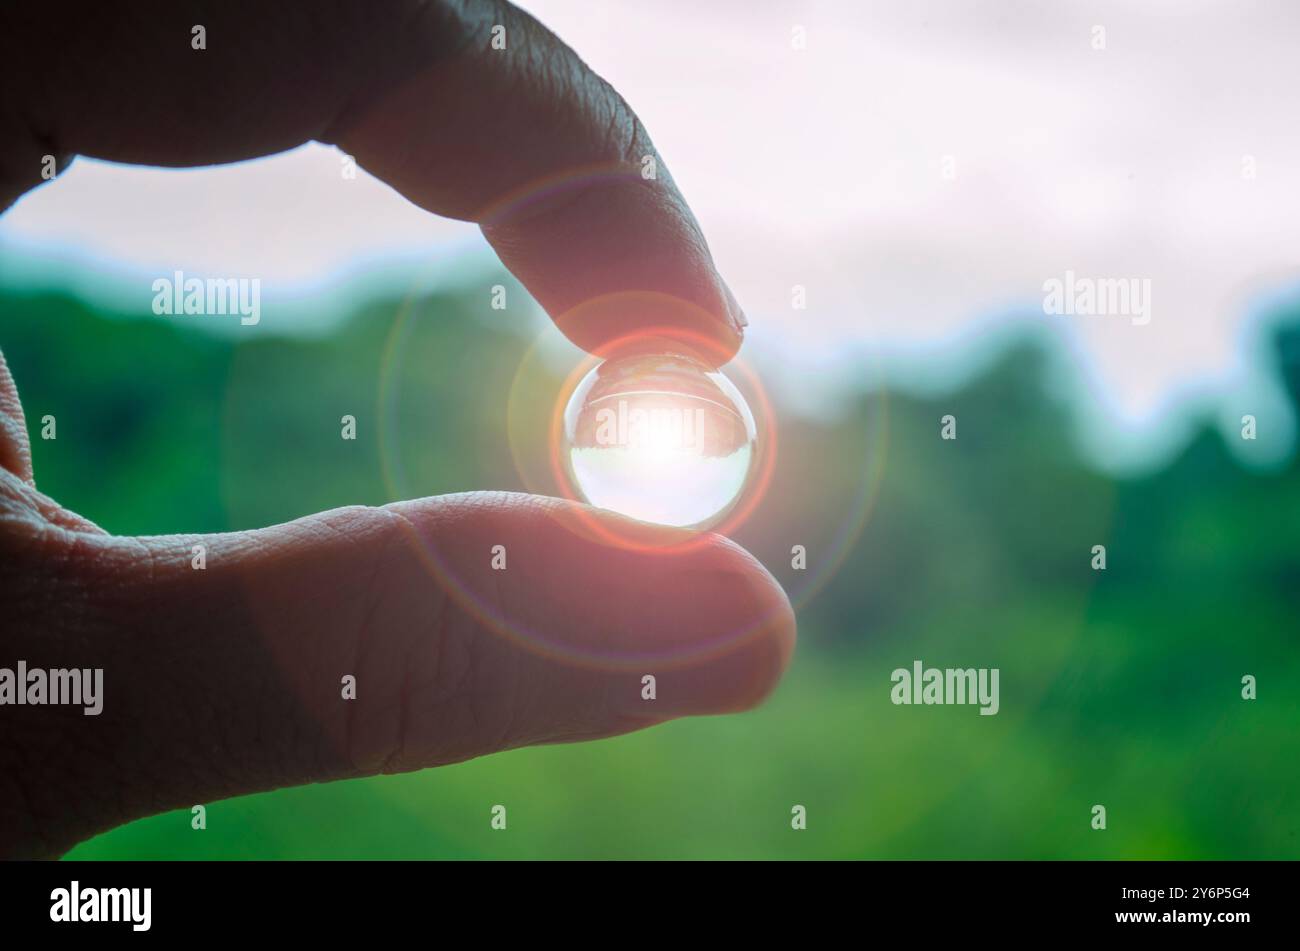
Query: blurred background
{"x":919,"y":171}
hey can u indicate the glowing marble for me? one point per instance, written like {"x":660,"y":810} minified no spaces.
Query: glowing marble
{"x":662,"y":438}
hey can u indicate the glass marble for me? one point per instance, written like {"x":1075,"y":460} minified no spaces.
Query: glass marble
{"x":660,"y":437}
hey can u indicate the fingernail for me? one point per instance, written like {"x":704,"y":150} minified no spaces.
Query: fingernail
{"x":737,"y":315}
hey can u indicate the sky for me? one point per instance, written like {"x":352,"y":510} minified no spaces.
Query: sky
{"x":920,"y":169}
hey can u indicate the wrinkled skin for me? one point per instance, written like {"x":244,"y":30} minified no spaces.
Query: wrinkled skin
{"x":226,"y":681}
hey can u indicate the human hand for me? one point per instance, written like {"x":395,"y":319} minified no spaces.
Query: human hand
{"x":226,"y":681}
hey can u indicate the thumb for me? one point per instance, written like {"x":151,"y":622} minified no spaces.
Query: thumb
{"x":367,"y":640}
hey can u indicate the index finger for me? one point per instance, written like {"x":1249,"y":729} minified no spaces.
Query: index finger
{"x":515,"y":132}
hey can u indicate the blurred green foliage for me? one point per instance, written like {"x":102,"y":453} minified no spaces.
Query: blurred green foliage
{"x":1120,"y":687}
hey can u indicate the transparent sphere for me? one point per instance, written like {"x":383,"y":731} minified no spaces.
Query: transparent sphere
{"x":662,"y":438}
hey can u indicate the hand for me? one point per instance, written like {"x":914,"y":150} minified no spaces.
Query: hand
{"x":227,"y":681}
